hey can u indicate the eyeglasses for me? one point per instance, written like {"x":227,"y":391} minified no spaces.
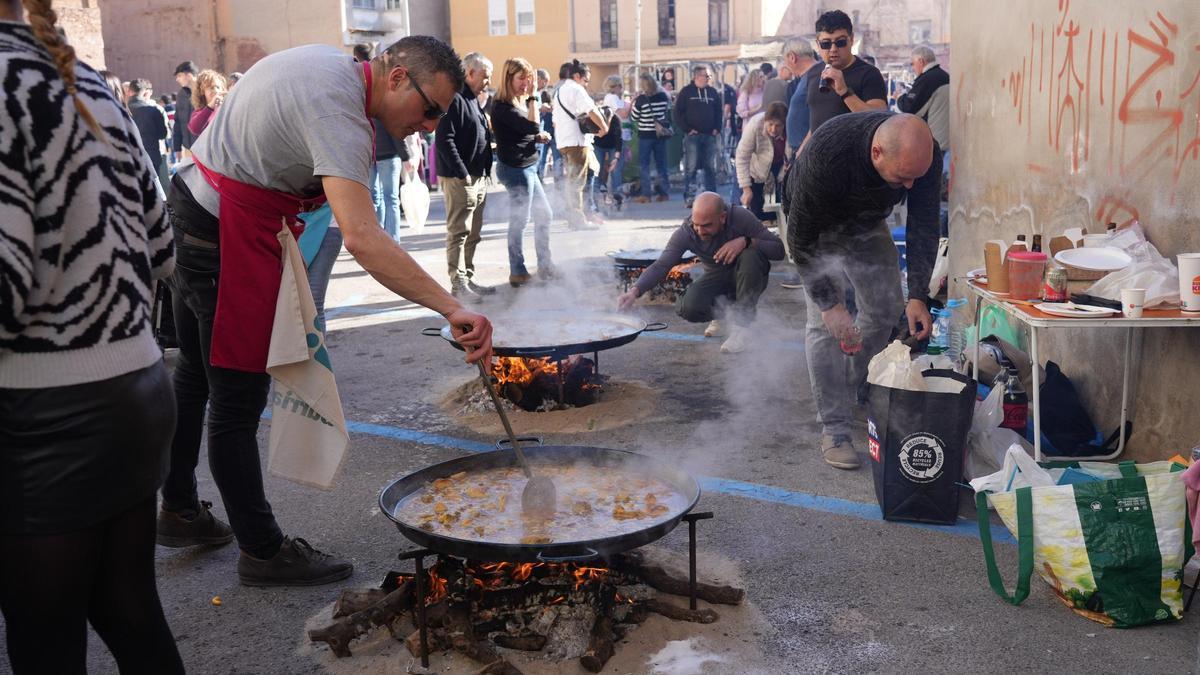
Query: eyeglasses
{"x":840,"y":42}
{"x":433,"y":111}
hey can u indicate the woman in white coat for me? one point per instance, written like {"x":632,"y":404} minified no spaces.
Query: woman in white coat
{"x":760,"y":155}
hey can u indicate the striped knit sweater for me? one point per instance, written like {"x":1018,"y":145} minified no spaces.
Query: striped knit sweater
{"x":82,"y":232}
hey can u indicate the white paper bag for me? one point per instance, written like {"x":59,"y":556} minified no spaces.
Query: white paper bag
{"x":308,"y":428}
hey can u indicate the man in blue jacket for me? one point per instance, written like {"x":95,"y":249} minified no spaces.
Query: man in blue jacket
{"x":464,"y":162}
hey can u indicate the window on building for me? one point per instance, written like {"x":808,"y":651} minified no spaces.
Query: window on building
{"x":364,"y":4}
{"x":395,"y":4}
{"x":666,"y":22}
{"x":497,"y":17}
{"x":525,"y":19}
{"x":608,"y":24}
{"x":920,"y":32}
{"x":718,"y":22}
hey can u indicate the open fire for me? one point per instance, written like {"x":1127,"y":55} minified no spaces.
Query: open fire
{"x":565,"y":610}
{"x":670,"y":288}
{"x":544,"y":384}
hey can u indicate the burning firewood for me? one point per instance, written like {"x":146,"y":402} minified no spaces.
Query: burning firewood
{"x":356,"y":600}
{"x":340,"y":633}
{"x":678,"y":613}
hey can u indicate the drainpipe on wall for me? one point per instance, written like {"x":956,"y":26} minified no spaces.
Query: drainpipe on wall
{"x":637,"y":42}
{"x":571,"y":21}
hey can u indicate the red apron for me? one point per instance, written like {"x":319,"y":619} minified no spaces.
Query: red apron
{"x":251,"y":263}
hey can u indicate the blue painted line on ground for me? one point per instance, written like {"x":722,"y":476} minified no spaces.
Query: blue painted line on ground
{"x":725,"y":486}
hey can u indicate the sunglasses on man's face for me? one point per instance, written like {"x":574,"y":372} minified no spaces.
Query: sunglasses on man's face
{"x":433,"y":111}
{"x":840,"y":42}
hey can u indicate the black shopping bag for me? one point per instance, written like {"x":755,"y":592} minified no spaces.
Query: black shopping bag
{"x":918,"y":440}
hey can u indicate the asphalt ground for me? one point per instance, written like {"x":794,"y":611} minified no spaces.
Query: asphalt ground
{"x":837,"y":588}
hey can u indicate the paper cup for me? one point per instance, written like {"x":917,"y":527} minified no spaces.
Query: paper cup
{"x":1133,"y":301}
{"x":1189,"y":281}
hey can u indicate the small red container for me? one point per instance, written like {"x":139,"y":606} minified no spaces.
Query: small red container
{"x":1025,"y":272}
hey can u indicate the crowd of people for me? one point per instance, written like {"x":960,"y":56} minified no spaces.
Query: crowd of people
{"x":79,"y":497}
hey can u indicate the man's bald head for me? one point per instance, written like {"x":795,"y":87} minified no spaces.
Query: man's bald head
{"x":709,"y":212}
{"x":902,"y":149}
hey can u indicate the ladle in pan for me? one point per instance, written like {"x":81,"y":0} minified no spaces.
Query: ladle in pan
{"x":539,"y":497}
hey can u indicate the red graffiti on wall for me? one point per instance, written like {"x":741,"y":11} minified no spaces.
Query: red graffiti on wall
{"x":1116,"y":210}
{"x":1129,"y":75}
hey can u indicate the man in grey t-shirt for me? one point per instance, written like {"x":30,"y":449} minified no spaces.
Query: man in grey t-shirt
{"x":296,"y":124}
{"x":736,"y":250}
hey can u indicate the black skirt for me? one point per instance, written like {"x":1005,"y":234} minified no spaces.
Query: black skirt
{"x":74,"y":456}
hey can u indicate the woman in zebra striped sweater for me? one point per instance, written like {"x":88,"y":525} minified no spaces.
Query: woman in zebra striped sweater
{"x":86,"y":406}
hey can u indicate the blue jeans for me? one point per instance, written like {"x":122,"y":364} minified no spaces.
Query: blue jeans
{"x":526,"y":197}
{"x":385,"y":193}
{"x":652,"y":147}
{"x":611,"y":180}
{"x":321,"y":267}
{"x":699,"y":152}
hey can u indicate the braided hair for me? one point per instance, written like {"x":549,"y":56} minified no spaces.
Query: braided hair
{"x":43,"y":21}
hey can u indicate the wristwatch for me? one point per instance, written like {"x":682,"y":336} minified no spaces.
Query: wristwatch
{"x":749,"y":241}
{"x":848,"y":94}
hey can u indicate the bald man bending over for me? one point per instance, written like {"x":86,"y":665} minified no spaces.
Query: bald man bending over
{"x":853,"y":170}
{"x":736,"y":250}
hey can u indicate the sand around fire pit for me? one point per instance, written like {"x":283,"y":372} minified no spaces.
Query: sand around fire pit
{"x":622,"y":402}
{"x":659,"y":645}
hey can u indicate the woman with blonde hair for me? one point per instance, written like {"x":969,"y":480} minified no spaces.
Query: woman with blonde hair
{"x":516,"y":124}
{"x":207,"y":95}
{"x":750,"y":95}
{"x":87,"y":411}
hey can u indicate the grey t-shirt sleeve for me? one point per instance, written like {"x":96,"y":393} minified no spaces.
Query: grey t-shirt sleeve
{"x":340,"y":148}
{"x":671,"y":256}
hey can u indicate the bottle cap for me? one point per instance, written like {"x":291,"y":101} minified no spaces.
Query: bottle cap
{"x":934,"y":350}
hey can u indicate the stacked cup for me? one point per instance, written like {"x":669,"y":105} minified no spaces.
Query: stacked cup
{"x":1133,"y":301}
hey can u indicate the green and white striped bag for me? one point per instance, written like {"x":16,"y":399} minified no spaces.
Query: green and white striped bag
{"x":1112,"y":550}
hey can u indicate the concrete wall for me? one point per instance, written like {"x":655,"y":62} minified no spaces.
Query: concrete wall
{"x":546,"y":47}
{"x":430,"y":17}
{"x":250,"y":30}
{"x":1077,"y":114}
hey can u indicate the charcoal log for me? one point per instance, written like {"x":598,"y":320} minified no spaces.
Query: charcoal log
{"x":680,"y":613}
{"x":659,"y":578}
{"x":356,"y":600}
{"x":340,"y":633}
{"x":601,"y":644}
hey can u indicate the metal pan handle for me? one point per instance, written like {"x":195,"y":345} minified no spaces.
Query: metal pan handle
{"x":534,"y":353}
{"x":504,"y":442}
{"x":431,"y":332}
{"x":590,"y":555}
{"x":657,"y":325}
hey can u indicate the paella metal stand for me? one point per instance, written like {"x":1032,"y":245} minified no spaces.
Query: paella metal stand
{"x":691,"y":519}
{"x":418,"y":558}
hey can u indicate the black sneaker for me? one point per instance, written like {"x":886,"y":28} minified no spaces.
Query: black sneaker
{"x":183,"y":529}
{"x":296,"y":564}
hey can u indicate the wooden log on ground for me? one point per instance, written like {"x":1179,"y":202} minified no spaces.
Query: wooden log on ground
{"x":525,"y":643}
{"x":356,"y":600}
{"x":657,"y":577}
{"x":678,"y":613}
{"x":340,"y":633}
{"x":601,"y":645}
{"x":413,"y":643}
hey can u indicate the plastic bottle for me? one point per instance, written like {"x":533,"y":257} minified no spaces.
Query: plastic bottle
{"x":939,"y":337}
{"x":958,"y":323}
{"x":1016,"y":404}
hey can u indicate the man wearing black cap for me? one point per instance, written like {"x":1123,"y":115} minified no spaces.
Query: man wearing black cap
{"x":181,"y":138}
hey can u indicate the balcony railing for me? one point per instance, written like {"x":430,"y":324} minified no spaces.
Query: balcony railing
{"x":650,"y":41}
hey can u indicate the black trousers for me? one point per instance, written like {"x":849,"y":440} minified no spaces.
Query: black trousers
{"x":232,"y":400}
